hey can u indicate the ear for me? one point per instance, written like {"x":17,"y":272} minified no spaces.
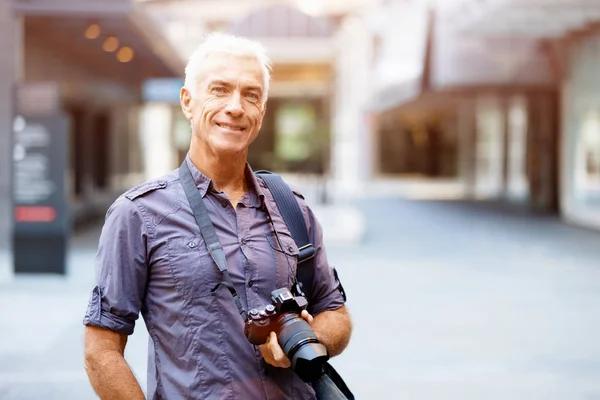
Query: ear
{"x":185,"y":99}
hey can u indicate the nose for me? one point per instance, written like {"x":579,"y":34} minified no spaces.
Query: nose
{"x":234,"y":106}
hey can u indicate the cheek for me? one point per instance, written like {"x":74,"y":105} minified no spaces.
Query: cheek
{"x":208,"y":109}
{"x":256,"y":117}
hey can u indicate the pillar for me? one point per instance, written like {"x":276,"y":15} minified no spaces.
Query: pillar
{"x":158,"y":152}
{"x":350,"y":154}
{"x":467,"y":145}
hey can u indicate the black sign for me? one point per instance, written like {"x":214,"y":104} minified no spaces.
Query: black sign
{"x":40,"y":209}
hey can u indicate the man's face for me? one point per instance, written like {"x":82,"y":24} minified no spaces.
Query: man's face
{"x":227,"y":109}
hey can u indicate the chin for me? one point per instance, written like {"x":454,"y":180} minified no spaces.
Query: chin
{"x":230,"y":149}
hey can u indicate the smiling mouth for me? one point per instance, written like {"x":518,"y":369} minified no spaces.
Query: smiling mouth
{"x":237,"y":128}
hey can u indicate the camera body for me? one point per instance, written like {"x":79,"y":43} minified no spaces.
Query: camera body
{"x":295,"y":336}
{"x":265,"y":320}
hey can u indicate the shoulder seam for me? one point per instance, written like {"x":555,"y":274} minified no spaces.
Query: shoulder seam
{"x":144,"y":188}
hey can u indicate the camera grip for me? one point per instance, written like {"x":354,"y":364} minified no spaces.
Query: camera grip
{"x":256,"y":334}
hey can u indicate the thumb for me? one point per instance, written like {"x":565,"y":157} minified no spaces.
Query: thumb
{"x":307,"y":317}
{"x":273,"y":337}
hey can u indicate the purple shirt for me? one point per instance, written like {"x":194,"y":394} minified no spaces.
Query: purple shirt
{"x":152,"y":259}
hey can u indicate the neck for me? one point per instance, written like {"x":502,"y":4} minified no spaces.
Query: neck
{"x":226,"y":172}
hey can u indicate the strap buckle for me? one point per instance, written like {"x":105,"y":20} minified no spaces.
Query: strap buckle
{"x":306,"y":252}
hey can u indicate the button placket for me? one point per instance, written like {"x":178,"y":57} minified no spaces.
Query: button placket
{"x":243,"y":216}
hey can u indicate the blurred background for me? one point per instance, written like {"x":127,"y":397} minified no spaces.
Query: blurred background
{"x":450,"y":148}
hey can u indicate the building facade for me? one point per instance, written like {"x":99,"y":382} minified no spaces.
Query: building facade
{"x":85,"y":61}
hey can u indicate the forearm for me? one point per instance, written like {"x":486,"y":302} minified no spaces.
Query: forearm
{"x":333,"y":328}
{"x":111,"y":377}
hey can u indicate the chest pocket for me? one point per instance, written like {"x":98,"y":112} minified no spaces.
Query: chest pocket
{"x":286,"y":256}
{"x":192,"y":267}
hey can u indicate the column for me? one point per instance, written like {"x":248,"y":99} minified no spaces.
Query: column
{"x":489,"y":147}
{"x":506,"y":139}
{"x":350,"y":155}
{"x":467,"y":141}
{"x":158,"y":153}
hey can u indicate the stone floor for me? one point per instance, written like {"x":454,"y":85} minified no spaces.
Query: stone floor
{"x":450,"y":300}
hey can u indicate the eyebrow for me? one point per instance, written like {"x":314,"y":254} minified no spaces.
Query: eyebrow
{"x":255,"y":88}
{"x":220,"y":82}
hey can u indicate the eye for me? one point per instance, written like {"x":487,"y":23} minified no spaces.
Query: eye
{"x":253,"y":97}
{"x":218,"y":90}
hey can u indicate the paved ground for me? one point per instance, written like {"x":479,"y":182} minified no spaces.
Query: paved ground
{"x":450,"y":301}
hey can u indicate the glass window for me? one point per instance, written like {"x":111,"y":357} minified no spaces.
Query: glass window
{"x":587,"y":160}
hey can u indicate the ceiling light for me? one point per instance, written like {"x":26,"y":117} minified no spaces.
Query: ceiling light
{"x":125,"y":54}
{"x":111,"y":44}
{"x":92,"y":31}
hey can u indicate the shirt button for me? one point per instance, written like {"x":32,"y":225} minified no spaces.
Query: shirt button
{"x":244,"y":241}
{"x":224,"y":204}
{"x":250,"y":283}
{"x":192,"y":244}
{"x":290,"y":248}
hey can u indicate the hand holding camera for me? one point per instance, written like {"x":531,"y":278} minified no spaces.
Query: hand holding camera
{"x":287,"y":321}
{"x":272,"y":351}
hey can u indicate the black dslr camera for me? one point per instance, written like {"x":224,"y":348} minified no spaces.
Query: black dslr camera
{"x":295,"y":336}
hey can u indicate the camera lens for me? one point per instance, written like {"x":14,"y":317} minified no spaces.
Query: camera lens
{"x":301,"y":346}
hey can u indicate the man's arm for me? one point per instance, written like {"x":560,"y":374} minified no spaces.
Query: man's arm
{"x":333,"y":329}
{"x":106,"y":367}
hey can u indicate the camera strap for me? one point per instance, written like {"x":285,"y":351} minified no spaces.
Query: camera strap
{"x":208,"y":232}
{"x":292,"y":215}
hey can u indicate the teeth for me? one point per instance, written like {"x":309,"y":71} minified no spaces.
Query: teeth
{"x":235,"y":128}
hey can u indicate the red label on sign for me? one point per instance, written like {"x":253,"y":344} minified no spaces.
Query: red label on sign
{"x":35,"y":214}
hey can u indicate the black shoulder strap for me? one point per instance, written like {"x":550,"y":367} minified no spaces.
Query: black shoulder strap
{"x":208,"y":231}
{"x":292,"y":215}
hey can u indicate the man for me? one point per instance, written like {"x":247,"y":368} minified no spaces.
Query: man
{"x":152,"y":258}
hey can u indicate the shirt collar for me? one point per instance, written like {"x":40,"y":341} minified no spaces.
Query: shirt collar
{"x":253,"y":198}
{"x":202,"y":181}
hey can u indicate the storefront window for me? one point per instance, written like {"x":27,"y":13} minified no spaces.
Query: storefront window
{"x":295,"y":125}
{"x":587,"y":161}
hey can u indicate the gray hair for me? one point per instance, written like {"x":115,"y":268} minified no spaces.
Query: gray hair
{"x":230,"y":44}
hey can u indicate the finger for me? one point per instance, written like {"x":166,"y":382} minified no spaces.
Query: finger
{"x":307,"y":317}
{"x":267,"y":353}
{"x":277,"y":352}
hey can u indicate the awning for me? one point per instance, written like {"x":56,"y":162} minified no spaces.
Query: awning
{"x":60,"y":26}
{"x":454,"y":60}
{"x":521,"y":18}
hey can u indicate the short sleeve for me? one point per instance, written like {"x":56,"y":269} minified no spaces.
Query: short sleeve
{"x":326,"y":293}
{"x":121,"y":270}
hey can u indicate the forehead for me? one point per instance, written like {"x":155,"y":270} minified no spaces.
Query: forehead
{"x":234,"y":69}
